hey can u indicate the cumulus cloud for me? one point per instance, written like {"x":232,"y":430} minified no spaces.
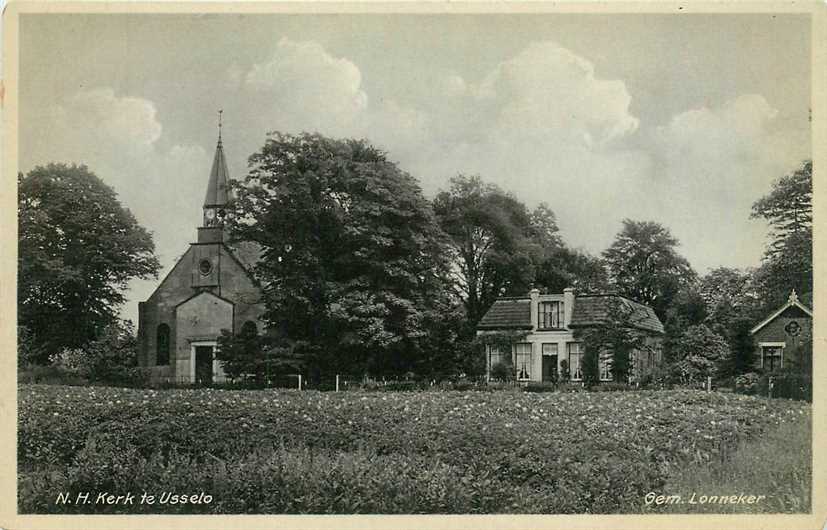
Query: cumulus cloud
{"x":713,"y":163}
{"x":101,"y":116}
{"x":547,"y":89}
{"x":306,"y":87}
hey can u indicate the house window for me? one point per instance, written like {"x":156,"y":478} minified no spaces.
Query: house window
{"x":550,"y":315}
{"x":575,"y":357}
{"x":522,"y":358}
{"x":772,"y":357}
{"x":604,"y":367}
{"x":162,"y":345}
{"x":495,"y":357}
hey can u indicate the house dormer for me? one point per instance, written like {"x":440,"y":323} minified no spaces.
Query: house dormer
{"x":551,"y":312}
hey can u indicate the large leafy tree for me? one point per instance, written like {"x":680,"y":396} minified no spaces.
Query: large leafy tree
{"x":742,"y":346}
{"x":644,"y":264}
{"x":729,"y":295}
{"x":78,"y":248}
{"x":565,"y":267}
{"x":701,"y":353}
{"x":495,"y":241}
{"x":352,"y":256}
{"x":788,"y":260}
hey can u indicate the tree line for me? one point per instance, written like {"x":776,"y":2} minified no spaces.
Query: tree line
{"x":362,"y":274}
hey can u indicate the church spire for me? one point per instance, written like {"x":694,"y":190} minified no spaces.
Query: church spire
{"x":219,"y":175}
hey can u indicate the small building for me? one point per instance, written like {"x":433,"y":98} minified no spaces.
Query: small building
{"x":210,"y":289}
{"x":778,"y":336}
{"x":546,"y":325}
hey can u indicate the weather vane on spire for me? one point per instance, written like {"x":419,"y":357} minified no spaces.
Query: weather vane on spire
{"x":220,"y":112}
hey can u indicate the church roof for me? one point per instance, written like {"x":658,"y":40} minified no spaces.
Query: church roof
{"x":219,"y":179}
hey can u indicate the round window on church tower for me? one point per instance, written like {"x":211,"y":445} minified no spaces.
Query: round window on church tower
{"x":205,"y":267}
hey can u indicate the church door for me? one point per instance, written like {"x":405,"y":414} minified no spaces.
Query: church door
{"x":203,"y":365}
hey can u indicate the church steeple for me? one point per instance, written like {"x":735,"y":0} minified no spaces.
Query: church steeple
{"x":216,"y":198}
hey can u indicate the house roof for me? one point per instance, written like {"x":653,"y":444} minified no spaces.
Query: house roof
{"x":591,"y":310}
{"x":792,"y":301}
{"x":588,"y":310}
{"x":507,"y":313}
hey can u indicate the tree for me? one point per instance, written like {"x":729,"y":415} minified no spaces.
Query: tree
{"x":494,"y":242}
{"x":742,"y":346}
{"x":78,"y":248}
{"x":112,"y":357}
{"x":729,"y":295}
{"x":256,"y":357}
{"x":700,"y":354}
{"x":687,"y":308}
{"x":352,"y":256}
{"x":565,"y":267}
{"x":644,"y":264}
{"x":788,"y":260}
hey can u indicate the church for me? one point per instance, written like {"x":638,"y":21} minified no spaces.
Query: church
{"x":209,"y":289}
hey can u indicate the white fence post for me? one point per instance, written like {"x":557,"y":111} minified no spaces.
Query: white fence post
{"x":300,"y":381}
{"x":337,"y":382}
{"x":709,"y":384}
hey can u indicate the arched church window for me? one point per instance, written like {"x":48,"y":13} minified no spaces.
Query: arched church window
{"x":162,"y":345}
{"x":249,"y":329}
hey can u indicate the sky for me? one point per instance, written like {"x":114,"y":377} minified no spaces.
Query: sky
{"x":684,"y":120}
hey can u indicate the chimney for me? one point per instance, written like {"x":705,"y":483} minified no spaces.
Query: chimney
{"x":568,"y":304}
{"x":534,"y":296}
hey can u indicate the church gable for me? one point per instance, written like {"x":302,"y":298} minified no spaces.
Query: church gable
{"x":203,"y":317}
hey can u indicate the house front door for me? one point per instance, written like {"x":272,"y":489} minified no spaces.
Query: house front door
{"x":550,"y":368}
{"x":203,"y":365}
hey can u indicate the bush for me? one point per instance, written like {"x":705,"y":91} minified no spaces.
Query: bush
{"x":540,"y":387}
{"x":502,"y":372}
{"x":611,"y":387}
{"x":49,"y":375}
{"x":786,"y":385}
{"x":747,"y":383}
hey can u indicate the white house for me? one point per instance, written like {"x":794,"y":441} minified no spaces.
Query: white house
{"x":549,"y":322}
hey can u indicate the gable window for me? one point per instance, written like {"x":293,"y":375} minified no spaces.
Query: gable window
{"x":162,"y":345}
{"x":522,"y":358}
{"x":772,"y":356}
{"x":550,"y":315}
{"x":575,"y":357}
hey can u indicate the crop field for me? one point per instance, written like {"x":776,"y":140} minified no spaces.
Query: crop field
{"x":378,"y":452}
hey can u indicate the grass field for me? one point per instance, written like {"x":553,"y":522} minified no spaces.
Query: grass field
{"x":405,"y":452}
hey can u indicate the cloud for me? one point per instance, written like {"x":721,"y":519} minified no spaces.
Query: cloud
{"x":305,"y":87}
{"x":712,"y":163}
{"x":101,"y":116}
{"x":547,"y":90}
